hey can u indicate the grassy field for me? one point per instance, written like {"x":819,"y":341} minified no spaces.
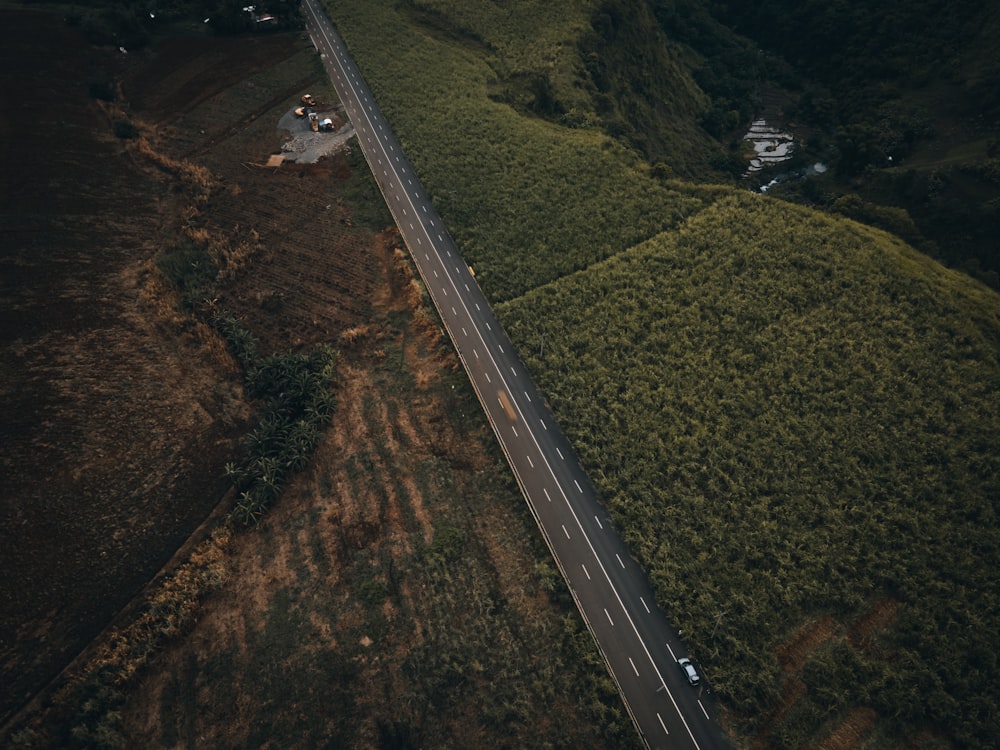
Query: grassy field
{"x":526,"y":199}
{"x":793,"y":426}
{"x":792,"y":417}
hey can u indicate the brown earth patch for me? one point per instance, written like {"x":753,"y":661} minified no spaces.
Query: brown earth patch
{"x":793,"y":653}
{"x":390,"y":597}
{"x":117,"y":414}
{"x":792,"y":656}
{"x":873,"y":622}
{"x":181,"y":72}
{"x":340,"y":568}
{"x":851,"y":732}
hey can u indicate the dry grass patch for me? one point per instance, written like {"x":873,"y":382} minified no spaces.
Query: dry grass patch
{"x":792,"y":656}
{"x":849,"y":733}
{"x":794,"y":652}
{"x":873,"y":622}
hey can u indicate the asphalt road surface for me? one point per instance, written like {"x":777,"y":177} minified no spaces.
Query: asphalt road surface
{"x":638,"y":643}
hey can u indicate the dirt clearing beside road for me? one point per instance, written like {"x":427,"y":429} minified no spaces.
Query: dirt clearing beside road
{"x":398,"y":594}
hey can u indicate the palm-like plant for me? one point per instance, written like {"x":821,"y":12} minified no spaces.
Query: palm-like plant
{"x":248,"y":509}
{"x":298,"y":402}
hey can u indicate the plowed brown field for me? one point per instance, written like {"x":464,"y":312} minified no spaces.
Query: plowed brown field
{"x":120,"y":411}
{"x":115,"y":417}
{"x":398,"y":595}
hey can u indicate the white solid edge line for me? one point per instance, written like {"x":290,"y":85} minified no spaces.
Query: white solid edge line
{"x":649,"y":656}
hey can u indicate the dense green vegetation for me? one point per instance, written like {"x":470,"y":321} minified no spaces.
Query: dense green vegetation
{"x":791,"y":415}
{"x":790,"y":425}
{"x":605,"y":67}
{"x":296,"y":396}
{"x":525,"y":198}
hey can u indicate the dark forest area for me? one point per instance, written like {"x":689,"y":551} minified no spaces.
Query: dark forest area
{"x":900,"y":98}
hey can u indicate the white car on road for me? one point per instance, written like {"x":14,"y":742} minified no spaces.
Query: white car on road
{"x":689,"y":671}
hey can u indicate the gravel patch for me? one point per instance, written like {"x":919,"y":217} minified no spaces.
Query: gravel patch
{"x":306,"y":147}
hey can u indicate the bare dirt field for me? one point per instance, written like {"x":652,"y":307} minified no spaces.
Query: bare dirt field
{"x":119,"y":411}
{"x":398,"y":595}
{"x":115,"y":416}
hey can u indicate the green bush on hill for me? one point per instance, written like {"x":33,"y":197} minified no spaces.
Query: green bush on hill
{"x":792,"y":416}
{"x":527,"y":200}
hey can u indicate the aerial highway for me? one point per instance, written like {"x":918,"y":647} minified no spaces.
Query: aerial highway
{"x":638,"y":643}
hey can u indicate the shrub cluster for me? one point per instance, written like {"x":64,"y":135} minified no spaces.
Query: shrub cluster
{"x":297,"y":402}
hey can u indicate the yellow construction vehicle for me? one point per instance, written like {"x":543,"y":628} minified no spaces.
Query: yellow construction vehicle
{"x":314,"y":122}
{"x":308,"y":100}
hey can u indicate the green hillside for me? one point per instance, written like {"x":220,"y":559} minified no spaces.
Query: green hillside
{"x":525,"y":198}
{"x":792,"y":416}
{"x":787,"y":425}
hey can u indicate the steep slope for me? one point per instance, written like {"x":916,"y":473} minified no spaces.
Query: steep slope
{"x":792,"y":425}
{"x":792,"y":416}
{"x":587,"y":64}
